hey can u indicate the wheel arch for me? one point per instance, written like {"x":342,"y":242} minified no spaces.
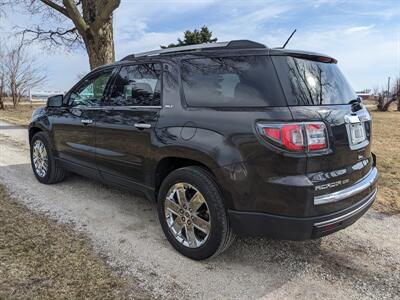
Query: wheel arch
{"x":33,"y":130}
{"x":168,"y":164}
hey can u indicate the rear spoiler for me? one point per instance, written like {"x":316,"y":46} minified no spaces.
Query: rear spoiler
{"x":303,"y":55}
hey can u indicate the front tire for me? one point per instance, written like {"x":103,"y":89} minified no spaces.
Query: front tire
{"x":192,"y":213}
{"x":45,"y":167}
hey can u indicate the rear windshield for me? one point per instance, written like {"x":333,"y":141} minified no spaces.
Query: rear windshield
{"x":308,"y":82}
{"x":242,"y":81}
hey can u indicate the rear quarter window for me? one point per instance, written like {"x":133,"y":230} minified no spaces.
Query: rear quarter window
{"x":242,"y":81}
{"x":310,"y":83}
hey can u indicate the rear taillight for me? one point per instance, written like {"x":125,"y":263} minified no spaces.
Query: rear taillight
{"x":316,"y":136}
{"x":296,"y":137}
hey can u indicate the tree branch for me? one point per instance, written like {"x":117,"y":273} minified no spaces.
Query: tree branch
{"x":56,"y":7}
{"x":76,"y":17}
{"x":58,"y":37}
{"x":105,"y":14}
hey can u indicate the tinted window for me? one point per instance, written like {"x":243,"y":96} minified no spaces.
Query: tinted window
{"x":91,"y":91}
{"x":137,"y":85}
{"x":244,"y":81}
{"x":308,"y":82}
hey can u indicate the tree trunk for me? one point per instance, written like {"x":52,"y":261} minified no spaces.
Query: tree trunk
{"x":387,"y":104}
{"x":14,"y":98}
{"x":398,"y":99}
{"x":14,"y":94}
{"x":380,"y":103}
{"x":100,"y":47}
{"x":2,"y":93}
{"x":99,"y":42}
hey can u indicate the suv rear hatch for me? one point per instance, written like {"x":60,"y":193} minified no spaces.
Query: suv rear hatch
{"x":317,"y":91}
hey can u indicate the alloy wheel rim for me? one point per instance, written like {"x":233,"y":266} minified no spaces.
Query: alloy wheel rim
{"x":187,"y":215}
{"x":40,"y":158}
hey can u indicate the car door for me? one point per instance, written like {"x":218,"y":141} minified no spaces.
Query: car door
{"x":74,"y":128}
{"x":125,"y":131}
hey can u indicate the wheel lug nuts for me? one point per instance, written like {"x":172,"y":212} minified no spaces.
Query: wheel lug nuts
{"x":183,"y":219}
{"x":188,"y":222}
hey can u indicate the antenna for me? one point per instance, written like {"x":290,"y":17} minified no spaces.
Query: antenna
{"x":287,"y":41}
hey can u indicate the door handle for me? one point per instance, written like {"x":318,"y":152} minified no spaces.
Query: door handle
{"x":86,"y":121}
{"x":142,"y":125}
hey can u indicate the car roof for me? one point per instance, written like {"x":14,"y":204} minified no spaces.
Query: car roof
{"x":221,"y":47}
{"x":232,"y":45}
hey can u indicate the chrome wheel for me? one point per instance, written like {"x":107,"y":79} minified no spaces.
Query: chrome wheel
{"x":40,"y":158}
{"x":187,"y":215}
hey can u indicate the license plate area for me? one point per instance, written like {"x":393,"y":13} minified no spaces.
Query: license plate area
{"x":357,"y":133}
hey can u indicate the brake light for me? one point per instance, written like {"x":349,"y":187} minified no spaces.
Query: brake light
{"x":316,"y":138}
{"x":297,"y":137}
{"x":292,"y":137}
{"x":273,"y":133}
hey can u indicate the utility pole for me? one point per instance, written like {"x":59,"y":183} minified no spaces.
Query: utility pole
{"x":388,"y":90}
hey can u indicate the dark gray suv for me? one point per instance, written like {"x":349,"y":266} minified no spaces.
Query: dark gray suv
{"x":228,"y":138}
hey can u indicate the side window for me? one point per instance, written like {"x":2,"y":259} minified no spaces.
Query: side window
{"x":241,"y":81}
{"x":137,"y":85}
{"x":91,"y":91}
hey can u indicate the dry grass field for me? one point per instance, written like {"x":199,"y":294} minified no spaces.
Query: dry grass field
{"x":41,"y":259}
{"x":20,"y":115}
{"x":385,"y":144}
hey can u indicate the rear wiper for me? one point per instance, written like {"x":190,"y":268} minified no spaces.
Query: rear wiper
{"x":357,"y":100}
{"x":355,"y":104}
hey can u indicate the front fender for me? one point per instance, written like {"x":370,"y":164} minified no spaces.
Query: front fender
{"x":39,"y":123}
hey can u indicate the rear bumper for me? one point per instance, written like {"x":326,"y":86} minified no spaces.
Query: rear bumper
{"x":296,"y":228}
{"x":369,"y":180}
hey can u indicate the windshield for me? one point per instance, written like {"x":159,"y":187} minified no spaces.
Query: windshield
{"x":308,"y":82}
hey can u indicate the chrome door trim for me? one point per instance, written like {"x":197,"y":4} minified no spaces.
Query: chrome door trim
{"x":142,"y":125}
{"x":86,"y":121}
{"x":116,"y":107}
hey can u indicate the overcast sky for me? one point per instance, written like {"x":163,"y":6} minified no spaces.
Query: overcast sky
{"x":363,"y":35}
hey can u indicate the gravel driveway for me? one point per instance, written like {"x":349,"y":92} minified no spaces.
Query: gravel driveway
{"x":362,"y":261}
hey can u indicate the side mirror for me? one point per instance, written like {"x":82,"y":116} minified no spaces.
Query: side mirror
{"x":55,"y":101}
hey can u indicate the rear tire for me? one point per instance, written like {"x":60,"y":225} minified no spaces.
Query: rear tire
{"x":46,"y":168}
{"x":205,"y":231}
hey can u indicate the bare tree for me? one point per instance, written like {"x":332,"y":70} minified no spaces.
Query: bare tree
{"x":2,"y":90}
{"x":91,"y":26}
{"x":375,"y":91}
{"x":3,"y":4}
{"x":20,"y":72}
{"x":387,"y":97}
{"x":396,"y":91}
{"x":2,"y":81}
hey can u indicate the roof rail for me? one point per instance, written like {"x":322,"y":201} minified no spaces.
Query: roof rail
{"x":236,"y":44}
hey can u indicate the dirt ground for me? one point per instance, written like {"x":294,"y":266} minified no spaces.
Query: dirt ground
{"x":41,"y":259}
